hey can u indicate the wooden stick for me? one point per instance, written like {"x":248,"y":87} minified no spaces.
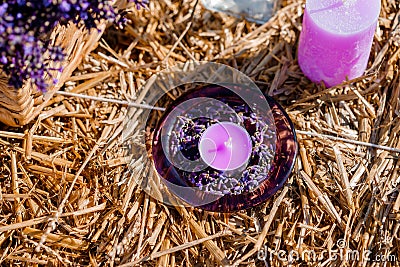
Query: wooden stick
{"x":199,"y":231}
{"x":38,"y":138}
{"x":345,"y":178}
{"x":58,"y":239}
{"x":109,"y":100}
{"x":261,"y":237}
{"x":43,"y":219}
{"x":15,"y":188}
{"x":326,"y":203}
{"x":177,"y":248}
{"x":334,"y":138}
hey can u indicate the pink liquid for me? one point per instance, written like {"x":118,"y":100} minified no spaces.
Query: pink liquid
{"x":336,"y":39}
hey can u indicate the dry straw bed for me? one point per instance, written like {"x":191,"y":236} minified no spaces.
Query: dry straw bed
{"x":67,"y":197}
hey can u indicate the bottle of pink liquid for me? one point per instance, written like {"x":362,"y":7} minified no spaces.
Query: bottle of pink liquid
{"x":336,"y":39}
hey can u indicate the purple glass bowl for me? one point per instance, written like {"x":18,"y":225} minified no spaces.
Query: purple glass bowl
{"x":282,"y":164}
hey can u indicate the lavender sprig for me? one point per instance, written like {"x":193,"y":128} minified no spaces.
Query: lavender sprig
{"x":25,"y":27}
{"x":141,"y":3}
{"x":186,"y":140}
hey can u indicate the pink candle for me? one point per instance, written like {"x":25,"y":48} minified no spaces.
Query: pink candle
{"x":336,"y":39}
{"x":225,"y":146}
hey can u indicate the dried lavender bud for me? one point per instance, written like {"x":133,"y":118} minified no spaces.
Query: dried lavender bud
{"x":141,"y":3}
{"x":25,"y":26}
{"x":270,"y":164}
{"x":186,"y":139}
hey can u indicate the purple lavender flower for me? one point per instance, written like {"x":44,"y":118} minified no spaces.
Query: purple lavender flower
{"x":266,"y":172}
{"x":25,"y":26}
{"x":186,"y":140}
{"x":141,"y":3}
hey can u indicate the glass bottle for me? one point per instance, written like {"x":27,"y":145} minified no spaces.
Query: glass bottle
{"x":259,"y":11}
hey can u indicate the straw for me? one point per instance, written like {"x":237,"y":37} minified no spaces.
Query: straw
{"x":67,"y":189}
